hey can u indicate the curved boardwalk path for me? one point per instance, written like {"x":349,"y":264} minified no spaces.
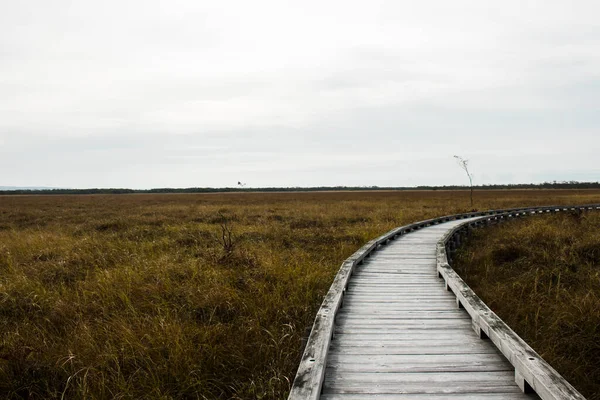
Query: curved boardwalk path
{"x":390,"y":328}
{"x":401,"y":335}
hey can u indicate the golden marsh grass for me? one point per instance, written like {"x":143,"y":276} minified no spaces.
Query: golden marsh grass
{"x":136,"y":296}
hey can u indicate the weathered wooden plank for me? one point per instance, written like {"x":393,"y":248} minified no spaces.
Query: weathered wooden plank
{"x":399,"y":298}
{"x":374,"y":273}
{"x":416,"y":256}
{"x":383,"y":257}
{"x":430,"y":231}
{"x":428,"y":396}
{"x":387,"y":256}
{"x":418,"y":238}
{"x":384,"y":265}
{"x":430,"y":277}
{"x":386,"y":291}
{"x":344,"y":314}
{"x":408,"y":243}
{"x":395,"y":261}
{"x":403,"y":246}
{"x":400,"y":279}
{"x":427,"y":271}
{"x":428,"y":282}
{"x":414,"y":260}
{"x":401,"y":253}
{"x":361,"y":309}
{"x":419,"y":382}
{"x":421,"y":387}
{"x":386,"y":367}
{"x":350,"y":320}
{"x":394,"y":286}
{"x":396,"y":299}
{"x":405,"y":293}
{"x":396,"y":350}
{"x":417,"y":265}
{"x":382,"y":308}
{"x":388,"y":340}
{"x":432,"y":283}
{"x":417,"y":359}
{"x":375,"y":340}
{"x":397,"y":304}
{"x":389,"y":291}
{"x":372,"y":269}
{"x":407,"y":330}
{"x":361,"y":278}
{"x":428,"y":265}
{"x":395,"y":279}
{"x":374,"y":288}
{"x":399,"y":377}
{"x":384,"y":272}
{"x":399,"y":263}
{"x":420,"y":271}
{"x":389,"y":252}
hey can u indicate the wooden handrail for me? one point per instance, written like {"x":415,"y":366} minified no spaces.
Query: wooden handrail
{"x":531,"y":371}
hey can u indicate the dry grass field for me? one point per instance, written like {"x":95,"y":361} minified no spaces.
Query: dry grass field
{"x":147,"y":296}
{"x":541,"y":275}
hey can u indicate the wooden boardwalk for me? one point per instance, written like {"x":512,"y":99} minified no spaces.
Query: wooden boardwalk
{"x":401,"y":335}
{"x":390,"y":328}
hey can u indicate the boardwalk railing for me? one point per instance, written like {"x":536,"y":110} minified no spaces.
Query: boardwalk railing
{"x":532,"y":373}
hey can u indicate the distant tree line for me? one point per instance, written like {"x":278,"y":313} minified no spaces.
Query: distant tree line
{"x":545,"y":185}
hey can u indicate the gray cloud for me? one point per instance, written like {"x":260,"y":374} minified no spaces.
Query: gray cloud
{"x":146,"y":94}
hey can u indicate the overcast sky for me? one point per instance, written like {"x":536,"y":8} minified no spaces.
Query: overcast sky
{"x":184,"y":93}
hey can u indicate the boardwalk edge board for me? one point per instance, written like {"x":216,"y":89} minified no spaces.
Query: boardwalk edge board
{"x":532,"y":373}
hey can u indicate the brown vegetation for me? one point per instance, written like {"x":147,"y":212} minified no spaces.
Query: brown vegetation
{"x":541,"y":275}
{"x":185,"y":296}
